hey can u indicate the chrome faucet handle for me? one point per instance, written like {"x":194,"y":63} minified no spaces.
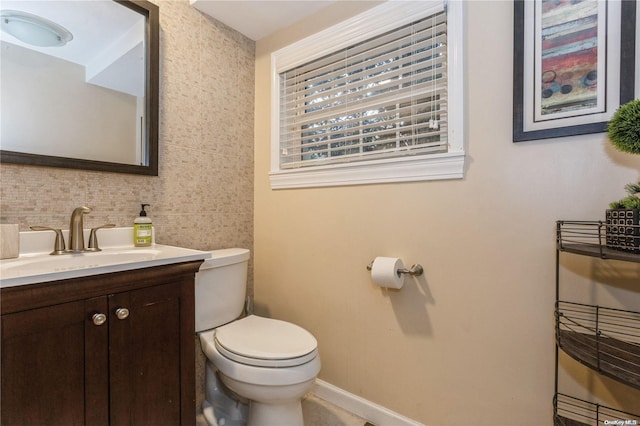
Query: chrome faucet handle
{"x":58,"y":246}
{"x":93,"y":237}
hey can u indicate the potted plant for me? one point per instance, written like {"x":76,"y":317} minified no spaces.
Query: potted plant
{"x":623,"y":221}
{"x":624,"y":127}
{"x":623,"y":218}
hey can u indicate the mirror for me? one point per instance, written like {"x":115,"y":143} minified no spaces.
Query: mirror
{"x":82,"y":99}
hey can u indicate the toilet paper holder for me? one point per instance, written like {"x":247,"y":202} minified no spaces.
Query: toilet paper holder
{"x":416,"y":270}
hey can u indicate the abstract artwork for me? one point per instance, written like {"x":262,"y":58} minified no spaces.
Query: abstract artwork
{"x":574,"y":65}
{"x":571,"y":36}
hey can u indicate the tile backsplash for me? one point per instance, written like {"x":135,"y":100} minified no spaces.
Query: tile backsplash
{"x":203,"y":196}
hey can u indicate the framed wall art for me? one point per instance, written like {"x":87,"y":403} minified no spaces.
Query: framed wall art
{"x":574,"y":65}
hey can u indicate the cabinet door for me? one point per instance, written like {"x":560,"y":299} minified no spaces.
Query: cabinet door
{"x":54,"y":365}
{"x":145,"y":357}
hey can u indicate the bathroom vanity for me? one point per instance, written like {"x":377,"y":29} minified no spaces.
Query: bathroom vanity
{"x":114,"y":347}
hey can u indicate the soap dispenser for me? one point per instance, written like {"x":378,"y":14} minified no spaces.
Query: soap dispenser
{"x":142,"y":229}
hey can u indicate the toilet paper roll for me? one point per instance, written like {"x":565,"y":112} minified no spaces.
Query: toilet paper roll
{"x":384,"y":272}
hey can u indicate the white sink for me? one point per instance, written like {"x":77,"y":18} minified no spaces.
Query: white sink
{"x":30,"y":268}
{"x":39,"y":264}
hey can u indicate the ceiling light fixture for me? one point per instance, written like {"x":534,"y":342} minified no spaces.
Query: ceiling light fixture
{"x":33,"y":29}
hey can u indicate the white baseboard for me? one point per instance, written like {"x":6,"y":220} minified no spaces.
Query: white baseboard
{"x":371,"y":412}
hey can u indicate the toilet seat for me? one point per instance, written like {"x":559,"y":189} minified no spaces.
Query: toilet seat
{"x":265,"y":342}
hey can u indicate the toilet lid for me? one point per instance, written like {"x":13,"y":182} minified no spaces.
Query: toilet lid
{"x":265,"y":342}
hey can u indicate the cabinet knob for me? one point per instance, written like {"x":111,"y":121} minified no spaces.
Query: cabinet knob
{"x":122,"y":313}
{"x":98,"y":319}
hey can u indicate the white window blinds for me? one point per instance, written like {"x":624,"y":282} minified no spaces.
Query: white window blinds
{"x":380,"y":98}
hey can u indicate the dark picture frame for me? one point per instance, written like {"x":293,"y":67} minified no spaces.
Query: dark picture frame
{"x":571,"y":101}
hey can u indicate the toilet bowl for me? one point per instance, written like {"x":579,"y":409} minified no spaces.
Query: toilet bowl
{"x":270,"y":363}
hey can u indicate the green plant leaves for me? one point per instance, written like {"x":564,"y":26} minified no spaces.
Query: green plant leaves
{"x":624,"y":128}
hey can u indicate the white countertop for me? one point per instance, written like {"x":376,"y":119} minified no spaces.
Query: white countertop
{"x":35,"y":264}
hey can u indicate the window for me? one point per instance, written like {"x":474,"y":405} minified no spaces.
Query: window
{"x":375,"y":99}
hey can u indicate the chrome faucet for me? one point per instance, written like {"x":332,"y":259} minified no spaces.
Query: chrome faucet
{"x":76,"y":229}
{"x":76,"y":234}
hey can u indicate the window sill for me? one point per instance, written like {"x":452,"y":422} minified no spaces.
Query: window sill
{"x":403,"y":169}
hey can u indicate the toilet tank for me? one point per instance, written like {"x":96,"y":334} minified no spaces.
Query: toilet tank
{"x":221,"y":288}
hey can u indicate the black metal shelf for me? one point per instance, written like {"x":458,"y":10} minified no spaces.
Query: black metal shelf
{"x":604,"y":339}
{"x":570,"y":411}
{"x":589,"y":238}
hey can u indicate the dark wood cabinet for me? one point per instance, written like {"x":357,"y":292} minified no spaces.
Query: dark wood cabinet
{"x":43,"y":365}
{"x":113,"y":349}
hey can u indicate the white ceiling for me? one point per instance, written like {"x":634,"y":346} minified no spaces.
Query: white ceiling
{"x":107,"y":39}
{"x":95,"y":25}
{"x":258,"y":18}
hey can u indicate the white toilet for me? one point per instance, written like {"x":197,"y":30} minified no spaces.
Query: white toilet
{"x":271,"y":363}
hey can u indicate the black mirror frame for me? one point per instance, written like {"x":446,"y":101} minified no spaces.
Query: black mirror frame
{"x":151,"y":12}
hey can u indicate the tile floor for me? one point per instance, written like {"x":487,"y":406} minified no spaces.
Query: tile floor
{"x":318,"y":412}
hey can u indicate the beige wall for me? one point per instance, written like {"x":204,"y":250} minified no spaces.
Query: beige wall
{"x":470,"y":342}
